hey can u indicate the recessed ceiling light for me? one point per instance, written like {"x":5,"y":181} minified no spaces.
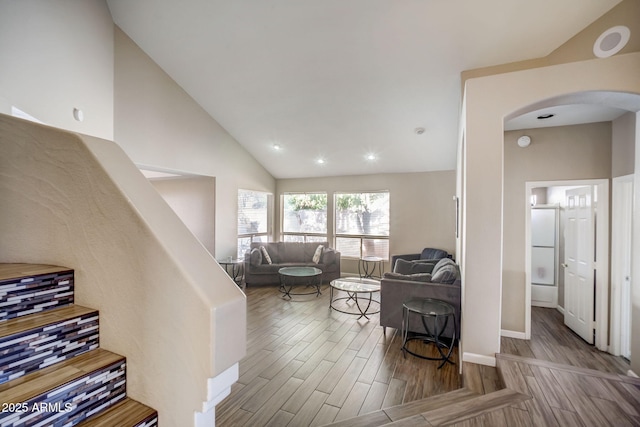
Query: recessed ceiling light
{"x":419,"y":131}
{"x":320,"y":161}
{"x":545,"y":116}
{"x":611,"y":41}
{"x":277,"y":147}
{"x":371,"y":156}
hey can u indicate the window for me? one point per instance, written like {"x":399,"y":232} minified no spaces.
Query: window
{"x":362,"y":224}
{"x":304,"y":217}
{"x":253,"y":219}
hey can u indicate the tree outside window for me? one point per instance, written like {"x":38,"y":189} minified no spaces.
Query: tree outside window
{"x":304,"y":217}
{"x":362,"y":224}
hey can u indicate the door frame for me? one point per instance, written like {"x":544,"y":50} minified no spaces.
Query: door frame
{"x":616,"y":294}
{"x":602,"y":255}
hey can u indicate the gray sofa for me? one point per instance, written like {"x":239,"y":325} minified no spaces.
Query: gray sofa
{"x":258,"y":271}
{"x":420,"y":280}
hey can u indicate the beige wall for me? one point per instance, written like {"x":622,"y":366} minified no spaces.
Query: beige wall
{"x":487,"y":103}
{"x":159,"y":125}
{"x":421,"y":207}
{"x":623,"y":144}
{"x":559,"y":153}
{"x":57,"y":56}
{"x":193,"y":199}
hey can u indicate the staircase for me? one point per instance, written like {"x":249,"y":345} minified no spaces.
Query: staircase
{"x":52,"y":369}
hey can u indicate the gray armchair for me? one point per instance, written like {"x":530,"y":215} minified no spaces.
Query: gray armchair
{"x":396,"y":288}
{"x":427,"y":254}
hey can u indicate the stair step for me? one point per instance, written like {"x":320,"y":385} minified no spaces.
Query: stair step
{"x":33,"y":288}
{"x":66,"y":393}
{"x":34,"y":342}
{"x":474,"y":407}
{"x":407,"y":411}
{"x":429,"y":404}
{"x":128,"y":413}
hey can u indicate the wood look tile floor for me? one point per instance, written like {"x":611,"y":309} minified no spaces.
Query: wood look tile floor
{"x":307,"y":365}
{"x":551,"y":340}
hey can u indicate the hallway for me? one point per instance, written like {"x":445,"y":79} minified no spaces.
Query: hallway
{"x":552,"y":341}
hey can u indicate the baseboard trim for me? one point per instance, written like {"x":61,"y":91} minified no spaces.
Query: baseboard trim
{"x":479,"y":359}
{"x":560,"y":309}
{"x":218,"y":388}
{"x":513,"y":334}
{"x":632,"y":374}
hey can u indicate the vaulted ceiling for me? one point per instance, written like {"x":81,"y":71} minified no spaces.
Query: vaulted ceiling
{"x":343,"y":80}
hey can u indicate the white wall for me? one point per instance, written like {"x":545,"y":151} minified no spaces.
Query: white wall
{"x":159,"y":125}
{"x":193,"y":199}
{"x":57,"y":56}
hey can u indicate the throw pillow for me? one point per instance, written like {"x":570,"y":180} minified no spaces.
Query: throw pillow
{"x":420,"y":277}
{"x":412,"y":267}
{"x":402,"y":266}
{"x":265,"y":255}
{"x":317,"y":254}
{"x":445,"y":274}
{"x":255,"y":257}
{"x":328,"y":256}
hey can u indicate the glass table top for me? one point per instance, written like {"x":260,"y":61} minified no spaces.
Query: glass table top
{"x":354,"y":284}
{"x":300,"y":271}
{"x":429,"y":306}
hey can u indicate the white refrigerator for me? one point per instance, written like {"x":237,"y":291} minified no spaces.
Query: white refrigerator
{"x":544,"y":256}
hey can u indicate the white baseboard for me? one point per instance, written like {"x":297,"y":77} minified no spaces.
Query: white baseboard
{"x":560,"y":309}
{"x":513,"y":334}
{"x":632,"y":374}
{"x":479,"y":359}
{"x":218,"y":388}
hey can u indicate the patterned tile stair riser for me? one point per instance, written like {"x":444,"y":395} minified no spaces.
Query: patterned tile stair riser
{"x":19,"y":297}
{"x":38,"y":348}
{"x":71,"y":403}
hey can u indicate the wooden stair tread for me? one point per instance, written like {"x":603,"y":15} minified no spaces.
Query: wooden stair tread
{"x":38,"y":320}
{"x":24,"y":388}
{"x":126,"y":413}
{"x":10,"y":271}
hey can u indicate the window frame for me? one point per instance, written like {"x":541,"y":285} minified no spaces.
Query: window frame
{"x":269,"y":221}
{"x":306,"y":236}
{"x":361,"y":237}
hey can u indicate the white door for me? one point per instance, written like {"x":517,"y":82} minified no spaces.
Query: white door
{"x":621,"y":231}
{"x":579,"y":262}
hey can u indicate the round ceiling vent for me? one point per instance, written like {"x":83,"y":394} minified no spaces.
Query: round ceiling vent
{"x":611,"y":41}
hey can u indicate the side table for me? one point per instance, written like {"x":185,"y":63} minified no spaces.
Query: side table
{"x":429,"y":309}
{"x":234,"y":268}
{"x":367,"y":267}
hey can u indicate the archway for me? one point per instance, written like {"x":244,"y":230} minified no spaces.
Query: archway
{"x":487,"y":103}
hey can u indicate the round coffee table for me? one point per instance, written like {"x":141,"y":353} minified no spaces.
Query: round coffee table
{"x":297,"y":276}
{"x":439,"y":312}
{"x":354,"y":286}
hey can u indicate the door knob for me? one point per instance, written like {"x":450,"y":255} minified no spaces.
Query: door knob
{"x":564,"y":265}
